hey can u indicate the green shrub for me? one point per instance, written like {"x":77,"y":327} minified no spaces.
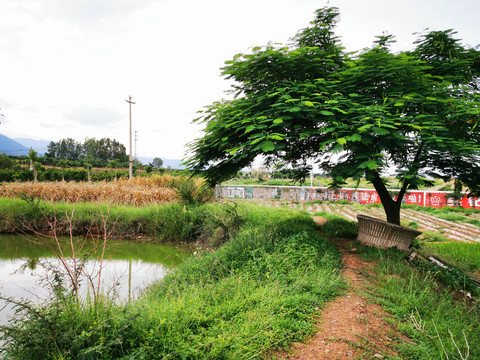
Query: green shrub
{"x":193,"y":191}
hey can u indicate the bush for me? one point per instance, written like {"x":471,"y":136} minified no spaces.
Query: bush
{"x":193,"y":191}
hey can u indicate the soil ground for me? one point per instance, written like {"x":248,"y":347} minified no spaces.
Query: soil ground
{"x":349,"y":327}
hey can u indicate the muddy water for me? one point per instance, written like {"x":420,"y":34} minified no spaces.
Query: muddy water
{"x":129,"y":266}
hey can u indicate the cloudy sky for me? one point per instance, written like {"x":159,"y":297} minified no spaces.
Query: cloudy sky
{"x":67,"y":66}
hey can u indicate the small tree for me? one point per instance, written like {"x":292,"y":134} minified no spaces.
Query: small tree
{"x":64,"y":163}
{"x":157,"y":163}
{"x":377,"y":111}
{"x":88,"y":164}
{"x":32,"y":155}
{"x":114,"y":164}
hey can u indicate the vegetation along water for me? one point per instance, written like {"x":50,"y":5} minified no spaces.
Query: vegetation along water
{"x":257,"y":292}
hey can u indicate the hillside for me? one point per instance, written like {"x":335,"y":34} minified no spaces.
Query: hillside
{"x":12,"y":147}
{"x":40,"y":146}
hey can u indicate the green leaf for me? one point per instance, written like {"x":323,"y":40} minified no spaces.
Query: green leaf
{"x":256,"y":141}
{"x":277,"y":121}
{"x":342,"y":141}
{"x":326,"y":113}
{"x":370,"y":164}
{"x":248,"y":129}
{"x":275,"y":137}
{"x":308,"y":103}
{"x":365,"y":127}
{"x":354,"y":138}
{"x":380,"y":131}
{"x":295,"y":109}
{"x":268,"y":146}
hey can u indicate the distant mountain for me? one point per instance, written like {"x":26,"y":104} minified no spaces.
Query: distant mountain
{"x":40,"y":146}
{"x":11,"y":147}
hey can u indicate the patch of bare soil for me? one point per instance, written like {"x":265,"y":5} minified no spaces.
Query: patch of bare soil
{"x":349,"y":327}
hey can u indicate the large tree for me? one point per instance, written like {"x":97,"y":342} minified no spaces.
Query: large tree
{"x":414,"y":113}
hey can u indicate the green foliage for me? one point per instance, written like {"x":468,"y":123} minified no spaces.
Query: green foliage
{"x":475,"y":222}
{"x":381,"y":110}
{"x":193,"y":191}
{"x":53,"y":174}
{"x":427,"y":312}
{"x":92,"y":151}
{"x":256,"y":293}
{"x":157,"y":163}
{"x":413,"y":225}
{"x":5,"y":162}
{"x":209,"y":224}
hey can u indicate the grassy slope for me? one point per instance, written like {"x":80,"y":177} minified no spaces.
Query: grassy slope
{"x":257,"y":292}
{"x":425,"y":310}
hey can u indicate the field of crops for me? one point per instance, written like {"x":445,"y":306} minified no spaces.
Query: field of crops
{"x":137,"y":192}
{"x":453,"y":227}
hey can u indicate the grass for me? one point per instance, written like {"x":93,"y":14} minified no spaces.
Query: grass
{"x":475,"y":222}
{"x":256,"y":293}
{"x":170,"y":223}
{"x":337,"y":226}
{"x":465,"y":256}
{"x":424,"y":310}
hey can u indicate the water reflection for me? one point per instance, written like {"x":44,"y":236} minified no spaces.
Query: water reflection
{"x":130,"y":267}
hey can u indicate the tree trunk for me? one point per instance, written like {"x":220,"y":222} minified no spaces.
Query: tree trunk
{"x":393,"y":212}
{"x":390,"y":206}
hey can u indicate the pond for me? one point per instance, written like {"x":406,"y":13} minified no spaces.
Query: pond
{"x":129,"y":266}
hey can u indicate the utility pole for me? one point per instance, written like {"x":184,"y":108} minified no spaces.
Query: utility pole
{"x":130,"y":168}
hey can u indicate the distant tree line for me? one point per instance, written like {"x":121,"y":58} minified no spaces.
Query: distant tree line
{"x":92,"y":152}
{"x":16,"y":168}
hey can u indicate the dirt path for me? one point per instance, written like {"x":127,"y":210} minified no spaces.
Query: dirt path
{"x":349,"y":327}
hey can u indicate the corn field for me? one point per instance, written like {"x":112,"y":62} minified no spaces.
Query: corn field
{"x":136,"y":192}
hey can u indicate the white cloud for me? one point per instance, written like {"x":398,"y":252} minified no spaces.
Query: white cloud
{"x":67,"y":66}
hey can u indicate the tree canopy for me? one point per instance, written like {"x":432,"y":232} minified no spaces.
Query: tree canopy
{"x":157,"y":163}
{"x":92,"y":151}
{"x":357,"y":115}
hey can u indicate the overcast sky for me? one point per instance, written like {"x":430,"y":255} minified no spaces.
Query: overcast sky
{"x":67,"y":66}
